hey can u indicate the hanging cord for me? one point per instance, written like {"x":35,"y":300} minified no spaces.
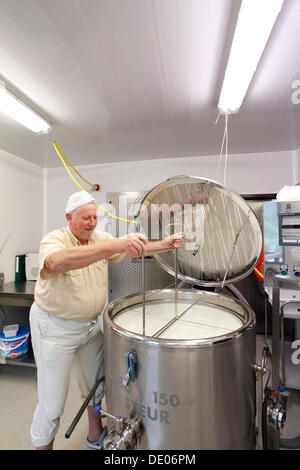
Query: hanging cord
{"x":2,"y":247}
{"x":70,"y":164}
{"x":226,"y":148}
{"x":64,"y":160}
{"x":224,"y":141}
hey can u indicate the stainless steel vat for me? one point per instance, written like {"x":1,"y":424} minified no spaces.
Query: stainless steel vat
{"x":192,"y":385}
{"x":188,"y":394}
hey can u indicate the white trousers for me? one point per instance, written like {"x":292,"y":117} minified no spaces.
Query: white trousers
{"x":56,"y":343}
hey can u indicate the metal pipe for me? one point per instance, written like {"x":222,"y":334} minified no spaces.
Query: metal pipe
{"x":159,"y":332}
{"x":232,"y":251}
{"x":266,"y":317}
{"x":237,"y":293}
{"x":143,"y":294}
{"x":176,"y":279}
{"x":83,"y":407}
{"x":275,"y":354}
{"x":283,"y":379}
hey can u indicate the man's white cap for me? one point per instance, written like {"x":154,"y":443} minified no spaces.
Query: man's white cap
{"x":77,"y":200}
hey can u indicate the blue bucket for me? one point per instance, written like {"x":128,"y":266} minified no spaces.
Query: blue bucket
{"x":14,"y":347}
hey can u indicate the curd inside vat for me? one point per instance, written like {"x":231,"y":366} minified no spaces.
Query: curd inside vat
{"x":195,"y":320}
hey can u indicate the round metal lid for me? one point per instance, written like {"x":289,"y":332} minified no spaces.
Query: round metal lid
{"x":223,"y":238}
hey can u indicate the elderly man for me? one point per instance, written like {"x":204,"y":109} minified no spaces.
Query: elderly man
{"x":70,"y":294}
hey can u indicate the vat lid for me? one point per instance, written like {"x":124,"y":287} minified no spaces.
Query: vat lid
{"x":223,"y":238}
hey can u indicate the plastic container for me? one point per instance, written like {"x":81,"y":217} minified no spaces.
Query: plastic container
{"x":10,"y":330}
{"x":14,"y":347}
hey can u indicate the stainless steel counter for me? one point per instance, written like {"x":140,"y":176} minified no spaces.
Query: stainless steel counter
{"x":19,"y":294}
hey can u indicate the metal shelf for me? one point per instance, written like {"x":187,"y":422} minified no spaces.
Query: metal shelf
{"x":17,"y":294}
{"x":25,"y":361}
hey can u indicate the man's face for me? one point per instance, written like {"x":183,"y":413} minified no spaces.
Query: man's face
{"x":84,"y":222}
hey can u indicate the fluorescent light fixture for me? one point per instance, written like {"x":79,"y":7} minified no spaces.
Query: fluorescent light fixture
{"x":255,"y":22}
{"x":21,"y":113}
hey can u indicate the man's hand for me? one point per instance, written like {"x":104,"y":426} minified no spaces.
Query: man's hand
{"x":169,"y":243}
{"x":173,"y":241}
{"x":133,"y":245}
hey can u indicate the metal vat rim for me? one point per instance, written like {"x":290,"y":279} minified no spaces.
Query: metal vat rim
{"x":184,"y":343}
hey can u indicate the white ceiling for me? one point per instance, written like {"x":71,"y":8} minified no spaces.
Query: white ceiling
{"x":124,"y":80}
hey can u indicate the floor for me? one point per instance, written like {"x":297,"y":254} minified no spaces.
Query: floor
{"x":18,"y":401}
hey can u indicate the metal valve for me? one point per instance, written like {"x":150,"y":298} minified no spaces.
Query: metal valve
{"x":276,"y":408}
{"x":125,"y":433}
{"x":119,"y":420}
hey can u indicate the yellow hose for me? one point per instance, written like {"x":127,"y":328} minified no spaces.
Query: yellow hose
{"x":58,"y":150}
{"x":69,"y":163}
{"x":259,"y":273}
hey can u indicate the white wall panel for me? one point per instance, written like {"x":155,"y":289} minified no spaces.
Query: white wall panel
{"x":249,"y":173}
{"x":21,"y":210}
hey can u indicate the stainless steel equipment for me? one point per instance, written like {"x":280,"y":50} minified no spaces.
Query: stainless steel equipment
{"x":182,"y":362}
{"x":282,"y":246}
{"x":188,"y":393}
{"x":282,"y":284}
{"x":223,"y":236}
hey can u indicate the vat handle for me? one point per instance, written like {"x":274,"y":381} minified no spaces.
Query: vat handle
{"x":130,"y":367}
{"x":98,"y":410}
